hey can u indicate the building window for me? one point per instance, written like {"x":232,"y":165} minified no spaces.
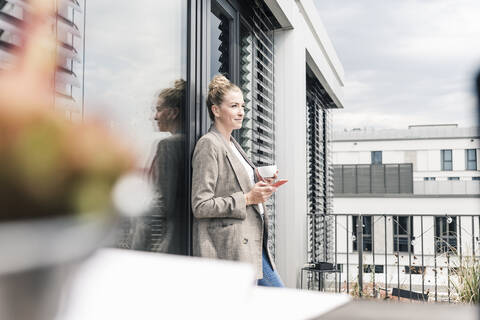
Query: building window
{"x":414,"y":269}
{"x":454,"y":178}
{"x":376,"y":157}
{"x":429,"y":178}
{"x":471,"y":156}
{"x":367,"y":233}
{"x":155,"y":55}
{"x":368,"y":268}
{"x":401,"y":231}
{"x":445,"y":234}
{"x":476,"y":178}
{"x":446,"y":156}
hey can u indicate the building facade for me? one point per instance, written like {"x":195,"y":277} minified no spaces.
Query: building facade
{"x":417,"y":193}
{"x":128,"y":59}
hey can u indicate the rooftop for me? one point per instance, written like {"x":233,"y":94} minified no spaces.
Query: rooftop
{"x":414,"y":132}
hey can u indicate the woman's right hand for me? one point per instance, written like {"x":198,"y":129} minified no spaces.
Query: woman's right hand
{"x":260,"y":193}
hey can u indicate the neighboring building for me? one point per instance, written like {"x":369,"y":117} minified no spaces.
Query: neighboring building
{"x":67,"y":27}
{"x":277,"y":51}
{"x":418,"y":191}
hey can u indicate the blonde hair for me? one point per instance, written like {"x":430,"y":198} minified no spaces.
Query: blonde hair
{"x":217,"y":89}
{"x":174,"y":97}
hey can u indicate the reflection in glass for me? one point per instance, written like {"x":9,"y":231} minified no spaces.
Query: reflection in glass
{"x":136,"y":58}
{"x":160,"y":229}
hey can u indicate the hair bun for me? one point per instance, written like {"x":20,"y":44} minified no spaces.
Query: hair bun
{"x":217,"y":89}
{"x":179,"y":84}
{"x":219,"y":82}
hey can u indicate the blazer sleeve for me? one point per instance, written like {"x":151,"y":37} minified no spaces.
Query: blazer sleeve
{"x":204,"y":178}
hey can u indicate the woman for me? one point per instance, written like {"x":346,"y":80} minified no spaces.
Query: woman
{"x":229,"y":220}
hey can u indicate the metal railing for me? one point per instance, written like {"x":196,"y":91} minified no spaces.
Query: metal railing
{"x":393,"y":256}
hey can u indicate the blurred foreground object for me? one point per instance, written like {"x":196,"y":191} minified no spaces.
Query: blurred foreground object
{"x":56,"y":177}
{"x":162,"y":286}
{"x":48,"y":166}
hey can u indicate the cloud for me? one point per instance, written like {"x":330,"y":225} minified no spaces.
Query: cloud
{"x":405,"y":61}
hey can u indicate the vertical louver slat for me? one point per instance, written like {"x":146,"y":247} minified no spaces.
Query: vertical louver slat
{"x":224,"y":46}
{"x":320,"y":173}
{"x":263,"y":123}
{"x":256,"y":81}
{"x":246,"y":74}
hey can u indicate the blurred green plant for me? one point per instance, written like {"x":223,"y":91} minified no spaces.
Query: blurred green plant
{"x":51,"y":167}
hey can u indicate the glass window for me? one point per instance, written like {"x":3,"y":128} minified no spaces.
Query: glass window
{"x":367,"y":233}
{"x":135,"y":79}
{"x":475,"y":178}
{"x":446,"y":158}
{"x":414,"y":270}
{"x":429,"y":178}
{"x":368,"y":268}
{"x":376,"y":157}
{"x":453,"y":178}
{"x":471,"y":156}
{"x":445,"y":234}
{"x":401,"y":232}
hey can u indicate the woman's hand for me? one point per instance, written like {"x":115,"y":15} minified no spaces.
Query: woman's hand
{"x":267,"y":180}
{"x":260,"y":193}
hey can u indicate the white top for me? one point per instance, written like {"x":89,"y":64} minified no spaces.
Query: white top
{"x":248,"y":168}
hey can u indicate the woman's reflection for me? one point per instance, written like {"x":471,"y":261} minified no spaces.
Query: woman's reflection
{"x":162,"y":229}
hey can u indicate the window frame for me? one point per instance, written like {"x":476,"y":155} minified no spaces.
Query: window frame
{"x":367,"y":237}
{"x":373,"y":157}
{"x":469,"y":161}
{"x":400,"y":239}
{"x":441,"y":238}
{"x":445,"y":161}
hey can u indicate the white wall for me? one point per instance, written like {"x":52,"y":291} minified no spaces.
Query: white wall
{"x":408,"y":205}
{"x":304,"y":40}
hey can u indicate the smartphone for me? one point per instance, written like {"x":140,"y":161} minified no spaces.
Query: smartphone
{"x":280,"y":182}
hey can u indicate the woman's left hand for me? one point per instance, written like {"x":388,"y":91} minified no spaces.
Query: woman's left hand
{"x":267,"y":180}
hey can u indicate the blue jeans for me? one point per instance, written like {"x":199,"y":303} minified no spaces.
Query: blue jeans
{"x":270,"y":277}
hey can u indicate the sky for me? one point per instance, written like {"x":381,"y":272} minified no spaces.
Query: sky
{"x":406,"y":62}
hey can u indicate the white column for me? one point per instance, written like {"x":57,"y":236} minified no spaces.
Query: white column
{"x":290,"y":131}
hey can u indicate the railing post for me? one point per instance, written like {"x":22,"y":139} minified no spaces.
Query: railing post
{"x":360,"y":253}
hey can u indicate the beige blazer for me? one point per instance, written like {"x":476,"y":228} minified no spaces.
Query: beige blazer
{"x":223,"y":226}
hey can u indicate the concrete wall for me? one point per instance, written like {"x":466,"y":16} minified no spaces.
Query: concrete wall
{"x":408,"y":205}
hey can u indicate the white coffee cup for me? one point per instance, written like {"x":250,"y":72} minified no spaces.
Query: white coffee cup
{"x":267,"y":171}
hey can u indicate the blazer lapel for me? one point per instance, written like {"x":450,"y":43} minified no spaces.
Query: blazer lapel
{"x":240,"y":174}
{"x":238,"y":169}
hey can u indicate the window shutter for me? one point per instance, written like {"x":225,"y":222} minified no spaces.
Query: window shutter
{"x":257,"y":135}
{"x":320,"y":172}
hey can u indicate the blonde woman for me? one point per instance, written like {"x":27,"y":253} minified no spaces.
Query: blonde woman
{"x":228,"y":203}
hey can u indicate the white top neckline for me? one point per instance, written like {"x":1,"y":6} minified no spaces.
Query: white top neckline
{"x":248,"y":169}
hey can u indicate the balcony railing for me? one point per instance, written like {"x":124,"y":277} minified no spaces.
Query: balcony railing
{"x":373,"y":178}
{"x":409,"y":256}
